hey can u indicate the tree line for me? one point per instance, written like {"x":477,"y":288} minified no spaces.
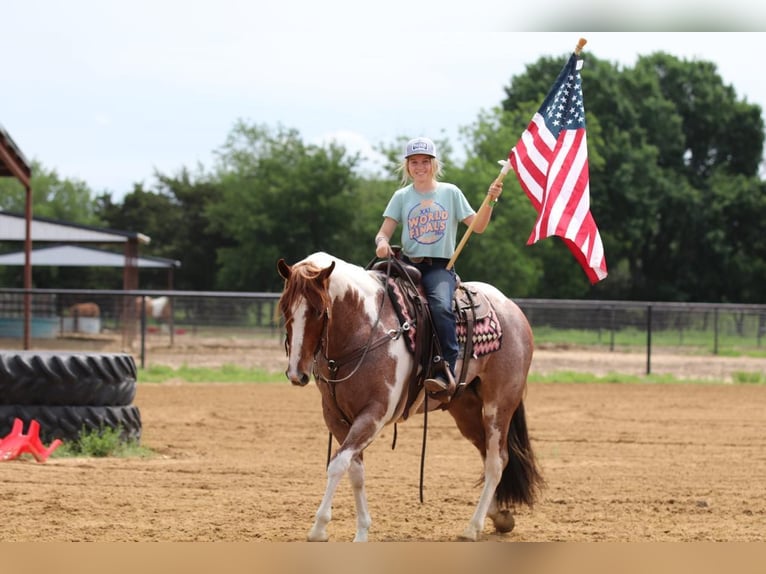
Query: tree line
{"x":675,"y":189}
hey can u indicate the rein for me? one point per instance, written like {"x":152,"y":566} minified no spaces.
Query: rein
{"x":334,"y":364}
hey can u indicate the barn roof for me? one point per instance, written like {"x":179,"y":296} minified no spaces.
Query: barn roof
{"x":12,"y":161}
{"x":12,"y":228}
{"x":76,"y":256}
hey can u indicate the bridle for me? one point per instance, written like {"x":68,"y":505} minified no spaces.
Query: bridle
{"x":359,"y":354}
{"x":333,"y":365}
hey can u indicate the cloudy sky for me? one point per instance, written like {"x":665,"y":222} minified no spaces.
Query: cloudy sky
{"x":109,"y":92}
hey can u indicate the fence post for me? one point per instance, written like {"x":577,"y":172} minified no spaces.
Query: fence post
{"x":143,"y":330}
{"x":648,"y":339}
{"x":715,"y":331}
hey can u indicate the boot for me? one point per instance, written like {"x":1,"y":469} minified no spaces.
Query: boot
{"x":441,"y":386}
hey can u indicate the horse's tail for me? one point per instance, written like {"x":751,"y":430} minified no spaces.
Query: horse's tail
{"x":521,"y":481}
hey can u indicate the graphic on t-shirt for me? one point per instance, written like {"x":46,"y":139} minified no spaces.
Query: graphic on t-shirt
{"x":427,"y":222}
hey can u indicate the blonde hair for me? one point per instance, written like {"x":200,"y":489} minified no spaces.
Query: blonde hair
{"x":437,"y":169}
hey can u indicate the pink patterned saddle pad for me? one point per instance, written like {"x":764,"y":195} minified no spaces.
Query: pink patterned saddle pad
{"x":487,"y":332}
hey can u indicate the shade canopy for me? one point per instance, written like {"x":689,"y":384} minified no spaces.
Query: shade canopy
{"x":12,"y":228}
{"x":77,"y":256}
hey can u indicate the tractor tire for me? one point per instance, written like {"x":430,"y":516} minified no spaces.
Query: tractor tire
{"x":67,"y":422}
{"x":60,"y":378}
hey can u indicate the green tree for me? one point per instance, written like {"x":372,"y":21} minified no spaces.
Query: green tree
{"x":499,"y":255}
{"x":733,"y":250}
{"x":53,"y":197}
{"x":195,"y":243}
{"x":154,"y":214}
{"x":280,"y":198}
{"x":660,"y":135}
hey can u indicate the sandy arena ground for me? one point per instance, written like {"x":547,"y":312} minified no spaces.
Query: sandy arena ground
{"x":629,"y":463}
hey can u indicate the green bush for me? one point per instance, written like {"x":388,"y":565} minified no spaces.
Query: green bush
{"x":101,"y":443}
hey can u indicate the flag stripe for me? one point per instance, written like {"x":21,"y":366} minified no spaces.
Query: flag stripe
{"x":532,"y":158}
{"x":551,"y":164}
{"x":570,"y":176}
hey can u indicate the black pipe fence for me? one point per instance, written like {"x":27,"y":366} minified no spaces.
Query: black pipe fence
{"x":125,"y":318}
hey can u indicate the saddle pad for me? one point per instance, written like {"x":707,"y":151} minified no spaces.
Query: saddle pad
{"x":487,"y":331}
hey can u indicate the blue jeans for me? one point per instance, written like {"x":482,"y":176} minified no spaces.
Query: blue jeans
{"x":439,"y":286}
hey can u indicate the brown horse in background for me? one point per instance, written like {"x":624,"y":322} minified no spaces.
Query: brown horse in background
{"x":83,"y":310}
{"x":342,"y":328}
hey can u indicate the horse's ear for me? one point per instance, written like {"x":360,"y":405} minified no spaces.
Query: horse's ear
{"x":284,"y":269}
{"x":326,"y":272}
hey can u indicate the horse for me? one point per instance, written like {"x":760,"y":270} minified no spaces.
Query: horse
{"x":341,"y":327}
{"x":157,"y":308}
{"x":83,"y":310}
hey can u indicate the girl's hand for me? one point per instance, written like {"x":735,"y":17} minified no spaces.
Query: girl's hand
{"x":495,"y":190}
{"x":382,"y":248}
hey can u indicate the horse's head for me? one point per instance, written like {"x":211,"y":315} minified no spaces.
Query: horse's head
{"x":305,"y":306}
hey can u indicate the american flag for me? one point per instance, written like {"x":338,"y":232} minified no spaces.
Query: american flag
{"x":551,"y":163}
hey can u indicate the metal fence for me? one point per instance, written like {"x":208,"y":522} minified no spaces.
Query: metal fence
{"x":693,"y":328}
{"x":122,"y":324}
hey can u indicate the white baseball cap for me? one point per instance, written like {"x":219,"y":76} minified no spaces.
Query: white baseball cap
{"x":420,"y":146}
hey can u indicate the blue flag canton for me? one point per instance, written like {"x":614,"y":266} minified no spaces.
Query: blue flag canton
{"x":567,"y":110}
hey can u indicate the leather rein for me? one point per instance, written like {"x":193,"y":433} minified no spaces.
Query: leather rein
{"x":333,"y":365}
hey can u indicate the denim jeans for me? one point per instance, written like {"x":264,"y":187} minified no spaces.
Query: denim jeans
{"x":439,"y":286}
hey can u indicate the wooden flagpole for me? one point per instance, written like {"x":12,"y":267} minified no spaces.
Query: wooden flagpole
{"x":506,"y":167}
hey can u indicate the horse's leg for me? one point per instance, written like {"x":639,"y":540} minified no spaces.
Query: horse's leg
{"x":335,"y":471}
{"x":363,"y":519}
{"x":486,"y":427}
{"x":495,"y":459}
{"x":348,"y":458}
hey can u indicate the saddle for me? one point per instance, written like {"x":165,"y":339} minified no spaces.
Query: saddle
{"x":478,"y":330}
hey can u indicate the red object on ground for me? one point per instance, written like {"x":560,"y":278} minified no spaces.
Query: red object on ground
{"x":16,"y":443}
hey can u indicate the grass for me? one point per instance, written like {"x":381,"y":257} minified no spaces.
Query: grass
{"x":748,"y":377}
{"x":101,"y":443}
{"x":615,"y":378}
{"x":225,"y":374}
{"x":631,"y":338}
{"x":235,"y":374}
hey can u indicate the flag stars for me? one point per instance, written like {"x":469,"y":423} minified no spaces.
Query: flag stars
{"x":565,"y":108}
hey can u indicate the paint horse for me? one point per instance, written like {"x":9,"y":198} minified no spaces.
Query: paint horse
{"x":158,"y":308}
{"x":342,"y":328}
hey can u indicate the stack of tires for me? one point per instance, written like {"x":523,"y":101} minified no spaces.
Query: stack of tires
{"x":68,"y":393}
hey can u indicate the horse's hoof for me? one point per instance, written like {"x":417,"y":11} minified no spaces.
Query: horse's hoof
{"x":504,"y":521}
{"x":317,"y":536}
{"x":468,"y":535}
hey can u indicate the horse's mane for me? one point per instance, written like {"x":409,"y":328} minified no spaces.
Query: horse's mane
{"x":303,"y":283}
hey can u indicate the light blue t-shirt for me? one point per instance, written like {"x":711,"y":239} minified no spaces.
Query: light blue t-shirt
{"x":429,"y":220}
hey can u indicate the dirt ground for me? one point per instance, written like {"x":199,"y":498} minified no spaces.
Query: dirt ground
{"x":627,"y":462}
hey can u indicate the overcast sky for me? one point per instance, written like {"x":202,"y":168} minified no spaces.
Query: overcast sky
{"x":107,"y":92}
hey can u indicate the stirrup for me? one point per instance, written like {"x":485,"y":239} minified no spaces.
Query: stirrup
{"x":441,"y":386}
